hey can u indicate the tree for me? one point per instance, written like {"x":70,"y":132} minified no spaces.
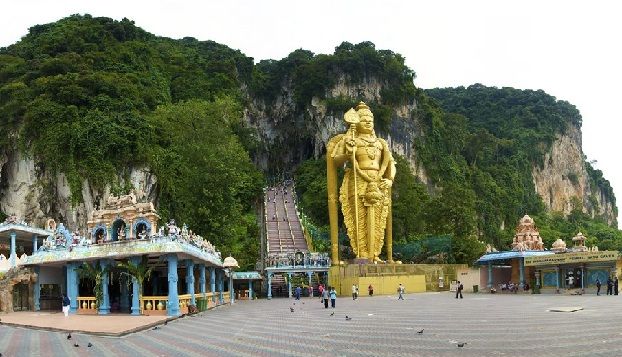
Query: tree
{"x":140,"y":272}
{"x":96,"y":273}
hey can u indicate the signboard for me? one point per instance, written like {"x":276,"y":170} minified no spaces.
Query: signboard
{"x":572,"y":258}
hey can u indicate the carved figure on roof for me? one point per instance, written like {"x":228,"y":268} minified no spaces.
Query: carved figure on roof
{"x":51,"y":225}
{"x":173,"y":230}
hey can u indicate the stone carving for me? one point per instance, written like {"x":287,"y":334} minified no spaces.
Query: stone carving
{"x":527,"y":236}
{"x":558,"y":246}
{"x":579,"y":243}
{"x":365,"y":193}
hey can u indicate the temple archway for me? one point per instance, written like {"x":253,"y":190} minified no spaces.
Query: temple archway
{"x":116,"y":225}
{"x":141,"y":225}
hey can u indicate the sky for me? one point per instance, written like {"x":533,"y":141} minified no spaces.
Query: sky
{"x":570,"y":49}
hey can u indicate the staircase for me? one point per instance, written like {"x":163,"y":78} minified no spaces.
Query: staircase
{"x":283,"y":227}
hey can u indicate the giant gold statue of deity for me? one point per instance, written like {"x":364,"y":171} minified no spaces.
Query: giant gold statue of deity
{"x":365,"y":193}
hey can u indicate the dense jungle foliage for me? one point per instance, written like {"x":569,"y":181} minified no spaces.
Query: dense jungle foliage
{"x":93,"y":97}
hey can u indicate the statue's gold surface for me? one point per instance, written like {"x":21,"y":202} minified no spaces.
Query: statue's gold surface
{"x":365,"y":193}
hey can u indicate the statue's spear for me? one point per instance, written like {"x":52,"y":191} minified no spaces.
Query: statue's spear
{"x":351,"y":117}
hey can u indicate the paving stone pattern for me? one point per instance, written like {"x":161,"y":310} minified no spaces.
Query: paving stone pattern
{"x":492,"y":325}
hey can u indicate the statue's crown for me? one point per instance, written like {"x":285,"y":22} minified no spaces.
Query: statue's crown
{"x":361,"y":105}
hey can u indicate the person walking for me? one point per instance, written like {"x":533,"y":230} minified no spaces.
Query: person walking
{"x":333,"y":297}
{"x":597,"y":286}
{"x":321,"y":289}
{"x":66,"y":303}
{"x":615,"y":286}
{"x":370,"y":289}
{"x":459,"y":289}
{"x":609,"y":286}
{"x":353,"y":292}
{"x":325,"y":297}
{"x":298,"y":292}
{"x":400,"y":292}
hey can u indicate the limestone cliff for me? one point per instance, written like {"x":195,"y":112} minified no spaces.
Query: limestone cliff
{"x":32,"y":194}
{"x":563,"y":181}
{"x":291,"y":134}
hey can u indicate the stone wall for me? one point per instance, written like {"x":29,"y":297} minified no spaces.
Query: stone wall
{"x":9,"y":280}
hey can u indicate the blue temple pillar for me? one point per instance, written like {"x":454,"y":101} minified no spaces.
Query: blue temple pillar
{"x":269,"y":286}
{"x":13,"y":255}
{"x":172,"y":307}
{"x":212,"y":283}
{"x":35,"y":244}
{"x":310,"y":274}
{"x":289,"y":285}
{"x":37,"y":289}
{"x":72,"y":286}
{"x":521,"y":271}
{"x":104,"y":305}
{"x":489,"y":275}
{"x":135,"y":289}
{"x":190,"y":280}
{"x":250,"y":289}
{"x":202,"y":279}
{"x":221,"y":287}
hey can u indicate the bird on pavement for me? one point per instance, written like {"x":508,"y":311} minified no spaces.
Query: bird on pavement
{"x":166,"y":322}
{"x":291,"y":309}
{"x":461,"y":344}
{"x":76,"y":344}
{"x":348,"y":318}
{"x":332,"y":313}
{"x":420,"y":332}
{"x":89,"y":345}
{"x":156,"y":328}
{"x":69,"y":336}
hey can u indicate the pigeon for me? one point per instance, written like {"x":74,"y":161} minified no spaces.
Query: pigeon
{"x":420,"y":332}
{"x":69,"y":337}
{"x":76,"y":344}
{"x":165,"y":322}
{"x":348,"y":318}
{"x":156,"y":328}
{"x":332,"y":313}
{"x":461,"y":344}
{"x":291,"y":309}
{"x":89,"y":345}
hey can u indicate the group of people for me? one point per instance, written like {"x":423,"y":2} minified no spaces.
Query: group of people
{"x":326,"y":294}
{"x":612,"y":286}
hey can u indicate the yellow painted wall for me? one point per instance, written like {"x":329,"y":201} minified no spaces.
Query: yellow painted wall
{"x":383,"y":284}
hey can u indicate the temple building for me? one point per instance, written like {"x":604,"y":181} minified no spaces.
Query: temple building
{"x":529,"y":266}
{"x":102,"y":270}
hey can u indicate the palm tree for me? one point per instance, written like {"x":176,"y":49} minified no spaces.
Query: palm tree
{"x":140,"y":272}
{"x":94,"y":272}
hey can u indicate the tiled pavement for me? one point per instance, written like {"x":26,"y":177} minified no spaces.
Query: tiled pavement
{"x":492,"y":325}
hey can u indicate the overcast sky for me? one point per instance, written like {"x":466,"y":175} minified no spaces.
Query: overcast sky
{"x":570,"y":49}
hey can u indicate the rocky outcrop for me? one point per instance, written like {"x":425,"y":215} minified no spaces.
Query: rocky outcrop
{"x":9,"y":280}
{"x":32,"y":194}
{"x":562,"y":181}
{"x":302,"y":133}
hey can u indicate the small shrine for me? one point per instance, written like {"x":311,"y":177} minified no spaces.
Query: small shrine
{"x":558,"y":246}
{"x":123,"y":217}
{"x":579,"y":243}
{"x":527,"y":236}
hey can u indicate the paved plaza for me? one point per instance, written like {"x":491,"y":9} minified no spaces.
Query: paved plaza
{"x":491,"y":325}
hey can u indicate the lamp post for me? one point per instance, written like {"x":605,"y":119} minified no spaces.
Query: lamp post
{"x":229,"y":264}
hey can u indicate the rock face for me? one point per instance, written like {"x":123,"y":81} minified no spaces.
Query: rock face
{"x":314,"y":125}
{"x":35,"y":195}
{"x":563,"y":180}
{"x":9,"y":280}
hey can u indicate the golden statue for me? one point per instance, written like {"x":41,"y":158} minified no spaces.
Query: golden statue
{"x":365,"y":193}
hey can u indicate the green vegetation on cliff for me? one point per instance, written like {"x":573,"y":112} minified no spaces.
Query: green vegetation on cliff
{"x":91,"y":97}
